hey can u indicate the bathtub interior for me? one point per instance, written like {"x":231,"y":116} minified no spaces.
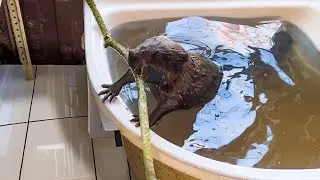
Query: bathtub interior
{"x":301,"y":14}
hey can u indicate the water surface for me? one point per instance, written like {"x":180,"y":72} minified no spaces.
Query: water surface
{"x":266,"y":111}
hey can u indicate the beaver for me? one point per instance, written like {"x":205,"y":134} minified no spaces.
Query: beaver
{"x":178,"y":79}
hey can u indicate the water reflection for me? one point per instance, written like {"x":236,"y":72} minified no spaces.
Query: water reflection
{"x":239,"y":49}
{"x":6,"y":110}
{"x":257,"y":152}
{"x":230,"y":113}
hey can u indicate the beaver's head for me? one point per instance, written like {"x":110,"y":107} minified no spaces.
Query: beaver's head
{"x":282,"y":43}
{"x":158,"y":52}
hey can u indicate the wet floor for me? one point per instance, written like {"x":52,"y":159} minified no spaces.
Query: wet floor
{"x":266,"y":111}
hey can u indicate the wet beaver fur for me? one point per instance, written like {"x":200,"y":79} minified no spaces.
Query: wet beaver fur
{"x":178,"y":80}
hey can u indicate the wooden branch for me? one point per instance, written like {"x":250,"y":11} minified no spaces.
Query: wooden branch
{"x":145,"y":131}
{"x":108,"y":41}
{"x":142,"y":101}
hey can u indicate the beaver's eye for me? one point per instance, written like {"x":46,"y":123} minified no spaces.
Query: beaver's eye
{"x":266,"y":76}
{"x":157,"y":55}
{"x":169,"y":56}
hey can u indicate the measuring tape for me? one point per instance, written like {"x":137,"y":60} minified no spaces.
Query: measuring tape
{"x":20,"y":37}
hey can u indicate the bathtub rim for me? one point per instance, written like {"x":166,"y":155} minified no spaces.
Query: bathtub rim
{"x":164,"y":151}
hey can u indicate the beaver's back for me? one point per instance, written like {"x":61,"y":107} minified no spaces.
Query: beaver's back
{"x":198,"y":82}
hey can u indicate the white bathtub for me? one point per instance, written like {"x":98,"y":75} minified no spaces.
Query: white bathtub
{"x":305,"y":14}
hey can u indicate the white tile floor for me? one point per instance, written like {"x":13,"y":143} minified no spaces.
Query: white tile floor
{"x":44,"y":129}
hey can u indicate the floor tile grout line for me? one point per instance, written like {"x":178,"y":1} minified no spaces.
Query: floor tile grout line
{"x":129,"y":169}
{"x":28,"y":123}
{"x":71,"y":117}
{"x":11,"y":124}
{"x":94,"y":160}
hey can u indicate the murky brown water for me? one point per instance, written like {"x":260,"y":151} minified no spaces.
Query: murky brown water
{"x":268,"y":117}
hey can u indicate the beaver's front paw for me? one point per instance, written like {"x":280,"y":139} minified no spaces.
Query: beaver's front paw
{"x":135,"y":120}
{"x":111,"y":91}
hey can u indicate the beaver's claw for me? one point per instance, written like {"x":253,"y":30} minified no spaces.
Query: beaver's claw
{"x":136,"y":120}
{"x":111,"y":91}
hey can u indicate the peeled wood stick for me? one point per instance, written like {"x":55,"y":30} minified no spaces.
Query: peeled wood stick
{"x":142,"y":101}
